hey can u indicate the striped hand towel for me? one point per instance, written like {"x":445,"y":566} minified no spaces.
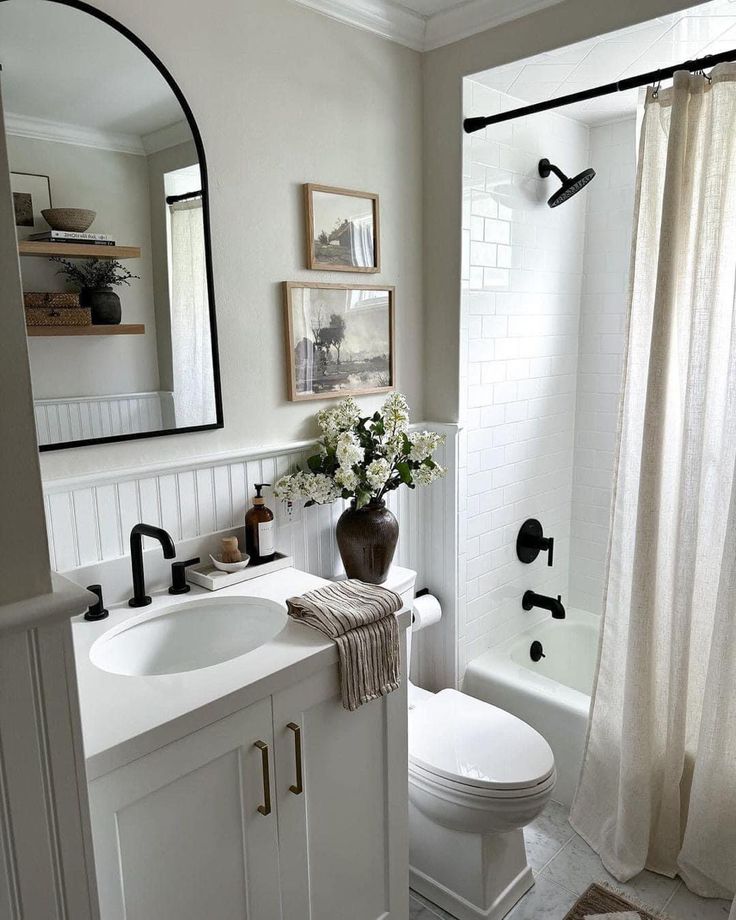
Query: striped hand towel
{"x":360,"y":619}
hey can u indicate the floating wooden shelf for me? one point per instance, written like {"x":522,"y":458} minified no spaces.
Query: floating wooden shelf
{"x":77,"y":250}
{"x":129,"y":329}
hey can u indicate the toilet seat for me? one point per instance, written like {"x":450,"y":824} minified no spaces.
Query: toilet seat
{"x":459,"y":742}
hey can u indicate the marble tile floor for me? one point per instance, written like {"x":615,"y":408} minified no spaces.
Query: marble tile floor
{"x":564,"y":866}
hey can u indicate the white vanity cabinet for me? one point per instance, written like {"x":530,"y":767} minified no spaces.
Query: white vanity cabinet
{"x":178,"y":833}
{"x":343,"y":831}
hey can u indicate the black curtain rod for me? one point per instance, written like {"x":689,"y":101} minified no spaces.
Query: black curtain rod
{"x":172,"y":199}
{"x":654,"y":76}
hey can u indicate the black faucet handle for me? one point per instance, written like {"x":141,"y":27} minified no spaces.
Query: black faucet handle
{"x":96,"y":611}
{"x":179,"y":576}
{"x":531,"y":542}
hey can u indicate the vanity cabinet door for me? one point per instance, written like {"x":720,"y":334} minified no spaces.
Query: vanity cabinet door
{"x":343,"y":833}
{"x":178,"y":834}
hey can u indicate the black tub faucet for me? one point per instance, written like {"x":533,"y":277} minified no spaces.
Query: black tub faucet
{"x":140,"y":598}
{"x":554,"y":605}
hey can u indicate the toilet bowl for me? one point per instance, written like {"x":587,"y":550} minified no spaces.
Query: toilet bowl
{"x":477,"y":776}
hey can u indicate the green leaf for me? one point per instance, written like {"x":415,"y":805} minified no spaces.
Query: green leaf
{"x":315,"y":463}
{"x":404,"y":471}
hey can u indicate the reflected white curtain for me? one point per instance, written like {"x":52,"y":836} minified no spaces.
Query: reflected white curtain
{"x":361,"y":242}
{"x":194,"y":393}
{"x":658,"y":786}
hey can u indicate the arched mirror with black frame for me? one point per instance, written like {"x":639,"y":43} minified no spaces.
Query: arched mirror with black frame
{"x":109,"y":185}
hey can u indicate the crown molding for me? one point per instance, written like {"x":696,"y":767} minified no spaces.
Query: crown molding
{"x":170,"y":136}
{"x":425,"y":33}
{"x":476,"y":16}
{"x":43,"y":129}
{"x":383,"y":18}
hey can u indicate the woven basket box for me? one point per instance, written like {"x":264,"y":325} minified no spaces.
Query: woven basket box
{"x":55,"y":309}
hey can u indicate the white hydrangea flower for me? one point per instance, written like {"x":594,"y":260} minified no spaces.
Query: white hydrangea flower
{"x":288,"y":488}
{"x":347,"y":478}
{"x":341,"y":417}
{"x":424,"y":444}
{"x":349,"y":452}
{"x":424,"y":475}
{"x":319,"y":488}
{"x":395,"y":411}
{"x":377,"y":473}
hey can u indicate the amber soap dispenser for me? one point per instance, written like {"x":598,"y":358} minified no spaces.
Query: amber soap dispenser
{"x":259,"y":529}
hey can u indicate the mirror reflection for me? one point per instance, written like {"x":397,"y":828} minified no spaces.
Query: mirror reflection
{"x":110,"y":216}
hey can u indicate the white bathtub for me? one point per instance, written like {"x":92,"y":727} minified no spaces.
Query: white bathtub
{"x":553,"y":694}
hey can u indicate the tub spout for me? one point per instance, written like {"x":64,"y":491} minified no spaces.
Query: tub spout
{"x":554,"y":605}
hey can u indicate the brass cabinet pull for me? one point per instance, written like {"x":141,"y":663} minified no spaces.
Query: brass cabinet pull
{"x":299,"y":787}
{"x":265,"y":809}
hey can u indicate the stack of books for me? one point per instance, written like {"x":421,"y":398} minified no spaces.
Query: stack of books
{"x":69,"y":236}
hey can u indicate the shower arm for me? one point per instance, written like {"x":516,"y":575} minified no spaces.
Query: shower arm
{"x":545,"y":168}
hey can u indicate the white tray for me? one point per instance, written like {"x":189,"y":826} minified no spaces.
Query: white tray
{"x":207,"y":576}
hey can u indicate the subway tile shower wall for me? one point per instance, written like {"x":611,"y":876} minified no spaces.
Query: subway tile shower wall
{"x":535,"y":375}
{"x":600,"y":355}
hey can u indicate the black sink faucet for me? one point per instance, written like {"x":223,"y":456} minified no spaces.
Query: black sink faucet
{"x":140,"y":598}
{"x":554,"y":605}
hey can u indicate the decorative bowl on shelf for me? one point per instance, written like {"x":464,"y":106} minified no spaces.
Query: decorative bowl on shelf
{"x":229,"y":566}
{"x":73,"y":220}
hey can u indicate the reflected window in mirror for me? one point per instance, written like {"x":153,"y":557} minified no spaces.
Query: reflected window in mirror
{"x":109,"y":177}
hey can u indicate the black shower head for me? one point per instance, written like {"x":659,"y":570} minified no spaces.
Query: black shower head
{"x":570,"y":187}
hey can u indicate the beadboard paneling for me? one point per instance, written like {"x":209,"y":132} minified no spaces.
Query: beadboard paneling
{"x":75,"y":419}
{"x":89,"y":518}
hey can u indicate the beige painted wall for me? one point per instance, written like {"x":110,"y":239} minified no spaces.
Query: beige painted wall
{"x":282,"y":95}
{"x":563,"y":24}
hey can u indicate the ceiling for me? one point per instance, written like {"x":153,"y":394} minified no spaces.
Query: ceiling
{"x":425,"y":24}
{"x":705,"y":29}
{"x":61,"y":65}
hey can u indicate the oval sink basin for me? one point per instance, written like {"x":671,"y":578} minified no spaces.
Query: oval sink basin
{"x":189,"y":637}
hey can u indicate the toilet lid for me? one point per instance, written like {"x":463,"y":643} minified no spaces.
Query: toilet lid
{"x":472,"y":743}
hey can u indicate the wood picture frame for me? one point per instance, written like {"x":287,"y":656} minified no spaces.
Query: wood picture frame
{"x":338,"y":240}
{"x":31,"y":195}
{"x":315,"y":339}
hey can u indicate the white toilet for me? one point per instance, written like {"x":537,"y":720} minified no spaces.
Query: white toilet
{"x":477,"y":776}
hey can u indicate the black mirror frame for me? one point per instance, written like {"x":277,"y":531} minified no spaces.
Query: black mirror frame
{"x":141,"y":45}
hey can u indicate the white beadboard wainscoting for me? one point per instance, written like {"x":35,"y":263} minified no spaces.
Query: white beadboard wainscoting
{"x":82,"y":417}
{"x":89,"y":519}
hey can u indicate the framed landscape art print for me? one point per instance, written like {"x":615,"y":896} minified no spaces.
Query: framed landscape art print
{"x":343,"y":233}
{"x":339,"y":339}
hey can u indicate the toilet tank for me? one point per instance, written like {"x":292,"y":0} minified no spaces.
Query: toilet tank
{"x":403,"y":582}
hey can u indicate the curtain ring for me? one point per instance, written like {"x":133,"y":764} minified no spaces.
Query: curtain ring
{"x":655,"y":90}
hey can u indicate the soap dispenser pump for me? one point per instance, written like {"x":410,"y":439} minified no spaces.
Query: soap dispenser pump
{"x":259,"y":529}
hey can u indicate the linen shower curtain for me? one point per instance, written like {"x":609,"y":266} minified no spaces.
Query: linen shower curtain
{"x":191,"y":343}
{"x":658,"y":785}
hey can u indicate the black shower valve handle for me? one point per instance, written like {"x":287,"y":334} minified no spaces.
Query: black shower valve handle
{"x":531,"y":542}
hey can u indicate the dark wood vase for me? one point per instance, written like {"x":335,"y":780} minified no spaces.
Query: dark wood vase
{"x":366,"y":538}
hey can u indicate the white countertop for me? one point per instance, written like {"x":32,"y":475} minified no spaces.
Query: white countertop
{"x":126,"y":717}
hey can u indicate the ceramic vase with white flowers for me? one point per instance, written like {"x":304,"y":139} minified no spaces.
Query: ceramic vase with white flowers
{"x":361,"y":459}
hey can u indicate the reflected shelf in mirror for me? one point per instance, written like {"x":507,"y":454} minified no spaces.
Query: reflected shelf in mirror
{"x":120,"y":329}
{"x":77,"y":250}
